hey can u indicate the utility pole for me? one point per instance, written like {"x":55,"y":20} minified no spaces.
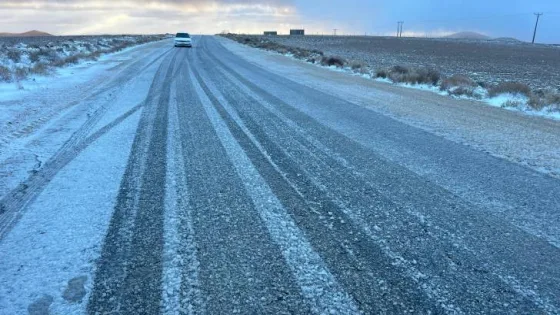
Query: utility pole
{"x":334,"y":31}
{"x":536,"y":24}
{"x":399,"y":28}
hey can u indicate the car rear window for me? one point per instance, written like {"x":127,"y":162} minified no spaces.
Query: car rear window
{"x":183,"y":35}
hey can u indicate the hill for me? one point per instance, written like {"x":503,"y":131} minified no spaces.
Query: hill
{"x":468,"y":35}
{"x":25,"y":34}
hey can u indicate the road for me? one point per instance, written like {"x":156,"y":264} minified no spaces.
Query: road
{"x":247,"y":192}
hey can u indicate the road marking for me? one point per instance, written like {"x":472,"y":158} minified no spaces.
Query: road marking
{"x":318,"y":285}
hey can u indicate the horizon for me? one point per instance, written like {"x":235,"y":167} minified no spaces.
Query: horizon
{"x":356,"y":17}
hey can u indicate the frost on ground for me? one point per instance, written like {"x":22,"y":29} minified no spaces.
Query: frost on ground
{"x":540,"y":98}
{"x":522,"y":139}
{"x":21,"y":58}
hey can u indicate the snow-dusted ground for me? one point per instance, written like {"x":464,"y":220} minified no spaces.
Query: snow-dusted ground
{"x":245,"y":190}
{"x":509,"y":101}
{"x":526,"y":139}
{"x":24,"y":57}
{"x":489,"y":61}
{"x":62,"y":131}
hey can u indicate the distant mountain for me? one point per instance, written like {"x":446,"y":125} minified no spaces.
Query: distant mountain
{"x":26,"y":34}
{"x":468,"y":35}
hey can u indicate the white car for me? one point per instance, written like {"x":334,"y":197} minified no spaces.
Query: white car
{"x":183,"y":39}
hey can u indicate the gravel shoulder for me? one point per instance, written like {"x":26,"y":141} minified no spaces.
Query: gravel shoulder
{"x":530,"y":141}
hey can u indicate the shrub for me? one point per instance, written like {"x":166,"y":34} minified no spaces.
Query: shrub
{"x":14,"y":55}
{"x":94,"y":55}
{"x":5,"y":74}
{"x":357,"y":65}
{"x":381,"y":73}
{"x":34,"y":56}
{"x":74,"y":59}
{"x":458,"y":85}
{"x":510,"y":88}
{"x":300,"y":53}
{"x":39,"y":68}
{"x":317,"y":52}
{"x":400,"y":74}
{"x":399,"y":70}
{"x":457,"y":80}
{"x":512,"y":103}
{"x":21,"y":73}
{"x":333,"y":61}
{"x":542,"y":98}
{"x":427,"y":76}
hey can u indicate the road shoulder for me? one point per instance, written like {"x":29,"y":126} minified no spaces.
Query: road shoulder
{"x":530,"y":141}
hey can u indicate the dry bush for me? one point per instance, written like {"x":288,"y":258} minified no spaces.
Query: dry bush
{"x":458,"y":85}
{"x":381,"y":73}
{"x":21,"y":73}
{"x":510,"y":88}
{"x":457,"y":80}
{"x":39,"y":69}
{"x":95,"y":55}
{"x":88,"y":46}
{"x":512,"y":103}
{"x":14,"y":55}
{"x":428,"y":76}
{"x":333,"y":61}
{"x":74,"y":59}
{"x":357,"y":65}
{"x":400,"y":74}
{"x":35,"y":56}
{"x":299,"y":53}
{"x":317,"y":52}
{"x":399,"y":70}
{"x":5,"y":74}
{"x":543,"y":98}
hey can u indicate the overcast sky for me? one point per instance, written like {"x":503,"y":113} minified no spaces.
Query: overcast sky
{"x":496,"y":18}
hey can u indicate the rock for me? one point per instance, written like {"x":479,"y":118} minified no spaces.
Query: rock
{"x":75,"y":291}
{"x":41,"y":306}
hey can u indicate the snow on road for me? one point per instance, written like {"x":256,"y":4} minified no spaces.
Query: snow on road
{"x":85,"y":119}
{"x":59,"y":236}
{"x":198,"y":181}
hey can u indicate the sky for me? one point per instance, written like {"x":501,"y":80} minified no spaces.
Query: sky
{"x":495,"y":18}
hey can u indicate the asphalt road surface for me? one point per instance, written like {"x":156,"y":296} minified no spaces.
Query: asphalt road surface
{"x":246,"y":192}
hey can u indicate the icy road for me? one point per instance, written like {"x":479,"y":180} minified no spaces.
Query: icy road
{"x":197,"y":181}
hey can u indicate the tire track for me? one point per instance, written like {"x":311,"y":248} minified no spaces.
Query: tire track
{"x":126,"y":281}
{"x":512,"y":293}
{"x":13,"y":205}
{"x":241,"y":269}
{"x":318,"y":286}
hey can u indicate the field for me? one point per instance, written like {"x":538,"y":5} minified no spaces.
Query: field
{"x":484,"y":61}
{"x":504,"y":72}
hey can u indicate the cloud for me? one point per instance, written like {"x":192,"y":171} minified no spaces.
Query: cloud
{"x":147,"y":16}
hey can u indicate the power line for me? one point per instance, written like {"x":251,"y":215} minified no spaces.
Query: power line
{"x":536,"y":24}
{"x":334,"y":31}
